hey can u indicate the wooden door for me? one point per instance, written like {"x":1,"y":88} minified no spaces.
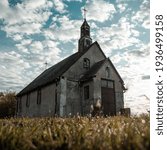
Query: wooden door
{"x":108,"y":101}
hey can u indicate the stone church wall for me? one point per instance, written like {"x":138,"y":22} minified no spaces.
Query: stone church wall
{"x":86,"y":103}
{"x":31,"y":110}
{"x":74,"y":73}
{"x":118,"y":86}
{"x":68,"y":97}
{"x":77,"y":70}
{"x":62,"y":97}
{"x":47,"y":106}
{"x":73,"y":98}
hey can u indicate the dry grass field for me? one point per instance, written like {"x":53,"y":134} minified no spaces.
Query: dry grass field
{"x":110,"y":133}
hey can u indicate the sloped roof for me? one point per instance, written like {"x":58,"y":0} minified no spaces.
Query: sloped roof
{"x":50,"y":75}
{"x":93,"y":70}
{"x":85,"y":24}
{"x":116,"y":71}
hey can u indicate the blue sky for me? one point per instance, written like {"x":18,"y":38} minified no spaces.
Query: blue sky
{"x":35,"y":32}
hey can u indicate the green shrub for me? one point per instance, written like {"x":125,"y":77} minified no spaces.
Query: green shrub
{"x":7,"y":104}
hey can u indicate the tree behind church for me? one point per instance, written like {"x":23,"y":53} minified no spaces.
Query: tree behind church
{"x":7,"y":104}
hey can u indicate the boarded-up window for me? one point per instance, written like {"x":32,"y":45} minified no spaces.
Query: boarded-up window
{"x":107,"y":72}
{"x":86,"y":63}
{"x":86,"y":92}
{"x":39,"y":96}
{"x":28,"y":100}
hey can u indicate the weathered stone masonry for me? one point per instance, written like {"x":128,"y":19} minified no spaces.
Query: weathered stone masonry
{"x":74,"y":84}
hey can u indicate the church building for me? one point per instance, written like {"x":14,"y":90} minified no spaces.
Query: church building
{"x":73,"y":85}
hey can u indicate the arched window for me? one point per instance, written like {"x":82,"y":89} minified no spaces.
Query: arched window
{"x":107,"y":72}
{"x":86,"y":63}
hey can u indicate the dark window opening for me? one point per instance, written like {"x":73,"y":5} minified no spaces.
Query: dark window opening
{"x":86,"y":63}
{"x":88,"y":42}
{"x":107,"y":72}
{"x":28,"y":100}
{"x":19,"y":104}
{"x":56,"y":109}
{"x":87,"y":33}
{"x":86,"y":92}
{"x":39,"y":96}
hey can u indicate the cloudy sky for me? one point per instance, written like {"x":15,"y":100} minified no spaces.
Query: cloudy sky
{"x":33,"y":32}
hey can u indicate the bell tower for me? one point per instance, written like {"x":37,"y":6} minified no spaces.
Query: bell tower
{"x":85,"y":40}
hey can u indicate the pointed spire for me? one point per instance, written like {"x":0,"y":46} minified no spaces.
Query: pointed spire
{"x":85,"y":24}
{"x":85,"y":39}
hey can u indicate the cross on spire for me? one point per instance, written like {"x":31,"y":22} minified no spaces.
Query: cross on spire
{"x":84,"y":12}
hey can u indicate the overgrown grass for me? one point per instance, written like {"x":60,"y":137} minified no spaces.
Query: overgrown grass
{"x":111,"y":133}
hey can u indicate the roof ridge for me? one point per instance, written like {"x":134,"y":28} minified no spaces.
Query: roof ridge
{"x":50,"y":74}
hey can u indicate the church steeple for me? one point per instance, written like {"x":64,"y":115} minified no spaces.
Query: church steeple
{"x":85,"y":39}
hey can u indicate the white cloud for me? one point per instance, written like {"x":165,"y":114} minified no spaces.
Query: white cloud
{"x":74,"y":0}
{"x":28,"y":18}
{"x":65,"y":23}
{"x":4,"y":9}
{"x":141,"y":50}
{"x":36,"y":47}
{"x":23,"y":13}
{"x":146,"y":24}
{"x":67,"y":31}
{"x":12,"y":70}
{"x":49,"y":43}
{"x":31,"y":5}
{"x":28,"y":29}
{"x":60,"y":6}
{"x":117,"y":36}
{"x":23,"y":45}
{"x":135,"y":33}
{"x":17,"y":37}
{"x":143,"y":15}
{"x":26,"y":41}
{"x":99,"y":10}
{"x":24,"y":18}
{"x":133,"y":96}
{"x":120,"y":1}
{"x":21,"y":21}
{"x":122,"y":7}
{"x":135,"y":66}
